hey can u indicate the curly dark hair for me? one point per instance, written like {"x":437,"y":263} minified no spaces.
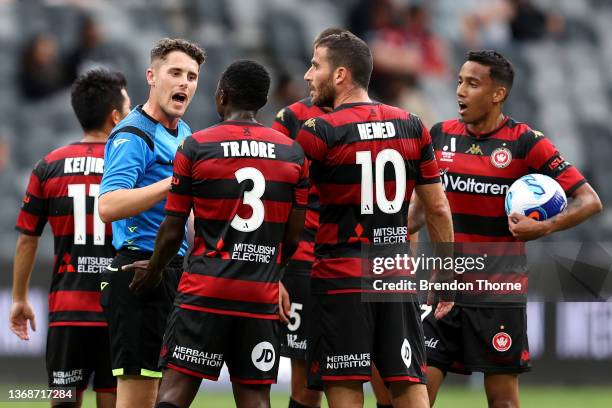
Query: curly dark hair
{"x":166,"y":45}
{"x":95,"y":94}
{"x":246,"y":84}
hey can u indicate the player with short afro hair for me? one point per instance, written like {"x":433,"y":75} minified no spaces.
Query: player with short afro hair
{"x":245,"y":84}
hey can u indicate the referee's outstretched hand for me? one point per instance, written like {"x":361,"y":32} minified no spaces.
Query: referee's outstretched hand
{"x":144,"y":278}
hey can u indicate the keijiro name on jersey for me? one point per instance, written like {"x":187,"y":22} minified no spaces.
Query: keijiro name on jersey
{"x":470,"y":185}
{"x":376,"y":130}
{"x":83,"y":165}
{"x":248,"y":148}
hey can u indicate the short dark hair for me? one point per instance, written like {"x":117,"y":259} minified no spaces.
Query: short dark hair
{"x":246,"y":84}
{"x":167,"y":45}
{"x":500,"y":68}
{"x":95,"y":94}
{"x":329,"y":31}
{"x":348,"y":50}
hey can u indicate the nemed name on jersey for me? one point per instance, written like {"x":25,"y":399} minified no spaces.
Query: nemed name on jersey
{"x":248,"y":148}
{"x":376,"y":130}
{"x":83,"y":165}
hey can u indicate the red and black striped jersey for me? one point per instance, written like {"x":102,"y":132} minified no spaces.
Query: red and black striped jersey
{"x":477,"y":171}
{"x":241,"y":179}
{"x":289,"y":120}
{"x":63,"y":190}
{"x":366,"y":160}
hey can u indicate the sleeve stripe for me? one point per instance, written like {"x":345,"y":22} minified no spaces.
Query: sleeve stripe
{"x":137,"y":132}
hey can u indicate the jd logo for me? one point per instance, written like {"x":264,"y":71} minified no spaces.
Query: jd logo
{"x":266,"y":356}
{"x":406,"y":353}
{"x":263,"y":356}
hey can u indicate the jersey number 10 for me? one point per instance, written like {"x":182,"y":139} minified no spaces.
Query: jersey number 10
{"x":364,"y":158}
{"x":77,"y":192}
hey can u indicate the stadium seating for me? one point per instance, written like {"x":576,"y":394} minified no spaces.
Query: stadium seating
{"x":563,"y":87}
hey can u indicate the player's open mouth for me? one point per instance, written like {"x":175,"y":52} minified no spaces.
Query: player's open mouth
{"x":179,"y":97}
{"x":462,"y":107}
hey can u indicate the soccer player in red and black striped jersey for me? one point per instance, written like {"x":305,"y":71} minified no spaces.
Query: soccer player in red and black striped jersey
{"x":480,"y":155}
{"x":63,"y":191}
{"x":345,"y":146}
{"x":247,"y":186}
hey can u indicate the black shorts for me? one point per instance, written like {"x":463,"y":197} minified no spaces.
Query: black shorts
{"x":488,"y":340}
{"x":351,"y":334}
{"x":75,"y":353}
{"x":198,"y":343}
{"x":293,"y":335}
{"x":137,"y":322}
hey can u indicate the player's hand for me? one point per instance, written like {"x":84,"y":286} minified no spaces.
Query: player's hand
{"x":144,"y":278}
{"x":21,"y":313}
{"x":442,"y":309}
{"x":284,"y":304}
{"x":524,"y":228}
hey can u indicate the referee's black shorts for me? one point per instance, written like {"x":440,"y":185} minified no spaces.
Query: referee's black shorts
{"x":137,"y":322}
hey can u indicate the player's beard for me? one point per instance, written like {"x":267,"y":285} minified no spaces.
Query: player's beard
{"x":326,"y":95}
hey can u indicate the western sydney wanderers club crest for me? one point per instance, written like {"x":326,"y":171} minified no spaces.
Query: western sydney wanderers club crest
{"x":502,"y":341}
{"x":501,"y":157}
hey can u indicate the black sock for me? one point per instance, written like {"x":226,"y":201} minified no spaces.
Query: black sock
{"x":383,"y":406}
{"x":294,"y":404}
{"x":165,"y":405}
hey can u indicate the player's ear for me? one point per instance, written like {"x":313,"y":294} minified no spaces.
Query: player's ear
{"x":116,"y":117}
{"x":340,"y":75}
{"x":500,"y":94}
{"x":150,"y":76}
{"x":222,"y":96}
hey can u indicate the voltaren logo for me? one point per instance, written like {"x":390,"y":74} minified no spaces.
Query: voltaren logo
{"x":459,"y":184}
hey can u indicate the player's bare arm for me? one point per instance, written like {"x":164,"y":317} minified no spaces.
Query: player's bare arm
{"x":148,"y":274}
{"x":436,"y":211}
{"x":294,"y":227}
{"x":584,"y":203}
{"x":284,"y":303}
{"x":439,"y":226}
{"x":125,"y":203}
{"x":416,"y":215}
{"x":21,"y":310}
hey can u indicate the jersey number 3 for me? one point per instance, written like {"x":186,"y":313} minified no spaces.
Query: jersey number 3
{"x":77,"y":192}
{"x":252,"y":198}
